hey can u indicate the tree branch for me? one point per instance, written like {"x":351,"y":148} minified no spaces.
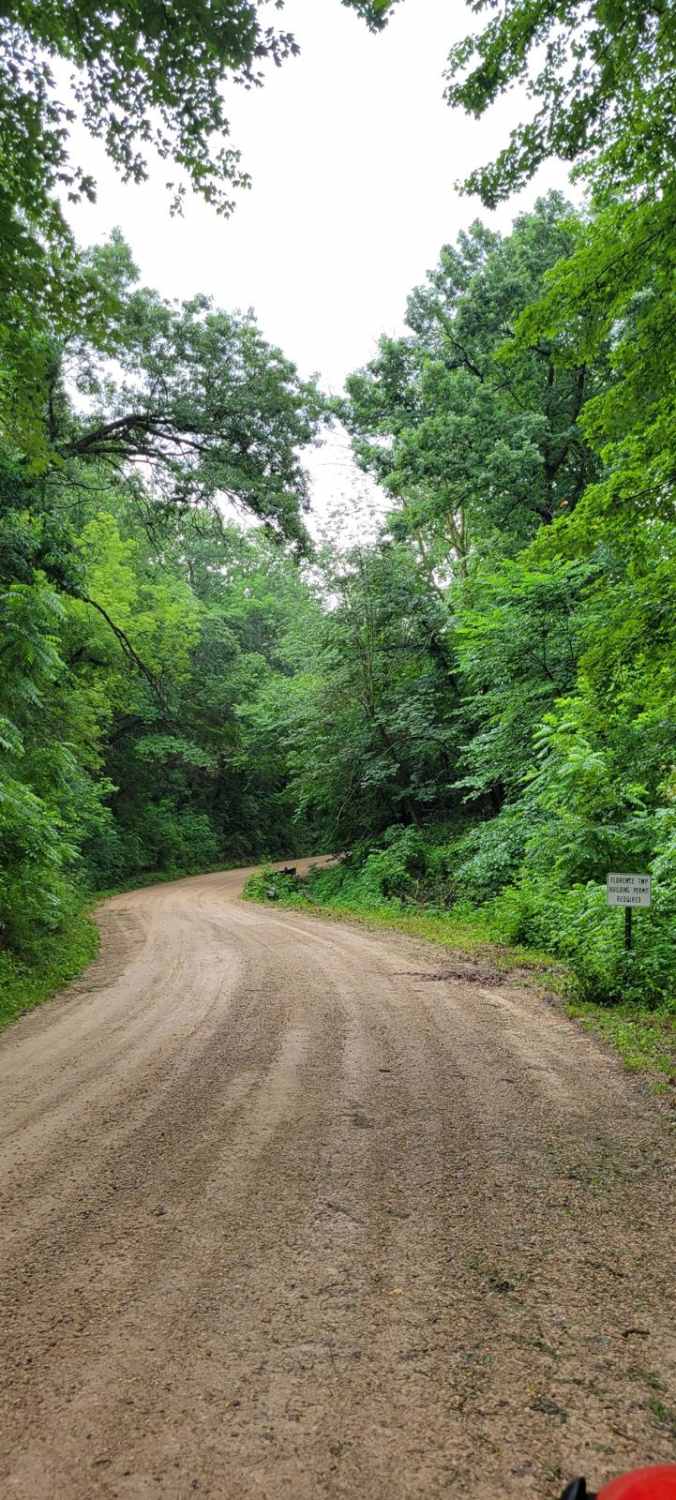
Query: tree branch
{"x":123,"y":641}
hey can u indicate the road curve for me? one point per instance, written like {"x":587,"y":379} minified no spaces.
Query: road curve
{"x":285,"y":1213}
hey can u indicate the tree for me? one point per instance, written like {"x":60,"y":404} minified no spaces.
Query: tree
{"x":128,"y":701}
{"x":206,"y":607}
{"x":601,"y":77}
{"x":147,"y":79}
{"x":517,"y":634}
{"x":617,"y":290}
{"x":602,"y":84}
{"x":474,"y":432}
{"x":190,"y":398}
{"x":368,"y":729}
{"x":144,"y":78}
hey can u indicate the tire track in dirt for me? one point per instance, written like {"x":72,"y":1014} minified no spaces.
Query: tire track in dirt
{"x":281,"y":1212}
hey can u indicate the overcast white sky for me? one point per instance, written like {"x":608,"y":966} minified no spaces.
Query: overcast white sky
{"x":353,"y":156}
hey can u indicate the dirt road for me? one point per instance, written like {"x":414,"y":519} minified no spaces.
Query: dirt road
{"x":284,"y":1213}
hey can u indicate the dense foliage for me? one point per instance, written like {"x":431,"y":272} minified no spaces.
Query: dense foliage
{"x":480,"y":704}
{"x":139,"y":621}
{"x":524,"y":429}
{"x":516,"y":624}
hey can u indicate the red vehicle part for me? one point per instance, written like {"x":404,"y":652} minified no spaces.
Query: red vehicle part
{"x":643,"y":1484}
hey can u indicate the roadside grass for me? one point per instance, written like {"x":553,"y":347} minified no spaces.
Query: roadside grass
{"x":161,"y":877}
{"x":57,"y":960}
{"x":461,"y":932}
{"x":645,"y":1040}
{"x":61,"y":956}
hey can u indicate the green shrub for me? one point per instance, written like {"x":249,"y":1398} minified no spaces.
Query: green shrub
{"x":55,"y":959}
{"x":36,"y":896}
{"x":408,"y":866}
{"x":436,"y":868}
{"x":272,"y":885}
{"x":488,"y":856}
{"x":162,"y":838}
{"x":579,"y":926}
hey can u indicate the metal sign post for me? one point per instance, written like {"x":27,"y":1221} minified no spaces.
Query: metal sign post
{"x":628,"y":891}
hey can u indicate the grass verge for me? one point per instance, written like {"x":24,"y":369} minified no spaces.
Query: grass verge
{"x":60,"y":957}
{"x":645,"y":1039}
{"x":461,"y":933}
{"x":57,"y":960}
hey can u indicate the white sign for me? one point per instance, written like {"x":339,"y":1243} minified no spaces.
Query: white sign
{"x":629,"y":890}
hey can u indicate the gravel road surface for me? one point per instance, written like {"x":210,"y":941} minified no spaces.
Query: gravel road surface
{"x":288,"y":1208}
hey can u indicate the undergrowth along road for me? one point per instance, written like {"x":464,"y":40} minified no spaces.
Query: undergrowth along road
{"x":645,"y":1039}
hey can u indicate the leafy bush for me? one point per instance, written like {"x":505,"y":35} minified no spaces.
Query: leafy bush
{"x":54,"y":960}
{"x":396,"y":869}
{"x":489,"y":855}
{"x":579,"y":926}
{"x":408,"y":866}
{"x":272,"y":885}
{"x":164,"y":838}
{"x":35,"y":894}
{"x":438,"y":867}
